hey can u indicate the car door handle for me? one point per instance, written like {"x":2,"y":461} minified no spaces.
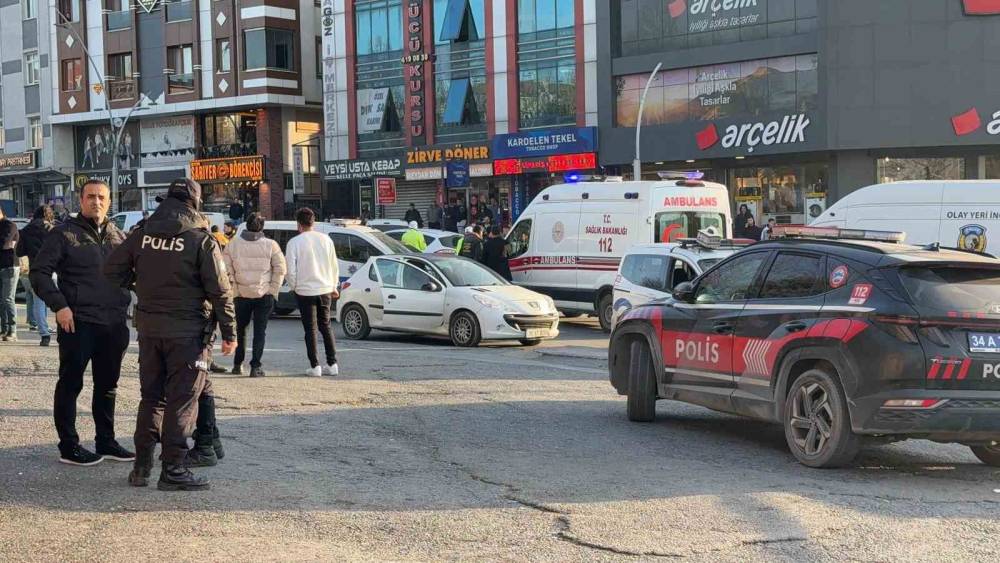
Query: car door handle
{"x":795,"y":326}
{"x":722,"y":328}
{"x":392,"y":297}
{"x":368,"y":290}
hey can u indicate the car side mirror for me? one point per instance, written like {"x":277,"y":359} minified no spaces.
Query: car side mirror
{"x":684,"y":292}
{"x":430,"y":286}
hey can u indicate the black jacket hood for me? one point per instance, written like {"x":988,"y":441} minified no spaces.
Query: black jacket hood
{"x":174,"y":217}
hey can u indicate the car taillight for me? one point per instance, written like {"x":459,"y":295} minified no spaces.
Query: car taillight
{"x":900,"y":327}
{"x":913,"y":403}
{"x":345,"y":285}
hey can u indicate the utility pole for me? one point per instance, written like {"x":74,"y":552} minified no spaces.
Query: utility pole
{"x":637,"y":163}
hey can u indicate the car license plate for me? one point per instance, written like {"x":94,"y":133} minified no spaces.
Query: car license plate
{"x":536,"y":333}
{"x":984,"y":342}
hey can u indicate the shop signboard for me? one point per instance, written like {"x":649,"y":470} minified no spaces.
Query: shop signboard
{"x":18,"y":161}
{"x":298,"y":172}
{"x":416,"y":71}
{"x":545,"y":142}
{"x":126,"y":178}
{"x":329,"y":45}
{"x":167,"y":140}
{"x":440,"y":154}
{"x":94,"y":142}
{"x":457,"y":175}
{"x":239,"y":169}
{"x":363,"y":169}
{"x":385,"y":191}
{"x":557,"y":163}
{"x":372,"y":103}
{"x":517,"y":197}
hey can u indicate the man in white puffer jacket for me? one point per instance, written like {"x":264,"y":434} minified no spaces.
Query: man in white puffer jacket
{"x":256,"y":270}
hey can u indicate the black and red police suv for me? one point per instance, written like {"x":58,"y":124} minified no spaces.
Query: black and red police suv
{"x":839,"y":335}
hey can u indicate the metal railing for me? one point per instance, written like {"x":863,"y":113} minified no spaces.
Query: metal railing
{"x":179,"y":11}
{"x":181,"y":83}
{"x":227,"y":151}
{"x":126,"y":89}
{"x":119,"y":20}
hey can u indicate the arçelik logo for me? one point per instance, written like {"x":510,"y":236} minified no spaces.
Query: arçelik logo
{"x":981,"y":7}
{"x":970,"y":121}
{"x":790,"y":129}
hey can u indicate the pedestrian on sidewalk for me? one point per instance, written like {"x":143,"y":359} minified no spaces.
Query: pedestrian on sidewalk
{"x":495,"y":254}
{"x":90,"y":314}
{"x":9,"y":272}
{"x":256,"y":269}
{"x":180,"y":278}
{"x":313,"y":276}
{"x":413,"y":216}
{"x":32,"y":237}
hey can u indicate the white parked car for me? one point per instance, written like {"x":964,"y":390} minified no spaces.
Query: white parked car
{"x":438,"y":242}
{"x":651,"y":271}
{"x":386,"y":224}
{"x":443,"y":296}
{"x":125,"y":220}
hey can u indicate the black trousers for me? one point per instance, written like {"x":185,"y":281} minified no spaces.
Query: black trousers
{"x":103,"y":347}
{"x":258,"y":310}
{"x":173,"y":374}
{"x":315,"y":311}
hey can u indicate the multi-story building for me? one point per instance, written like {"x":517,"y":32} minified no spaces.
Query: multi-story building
{"x":466,"y":100}
{"x":34,"y":164}
{"x":227,"y":92}
{"x":795,"y":103}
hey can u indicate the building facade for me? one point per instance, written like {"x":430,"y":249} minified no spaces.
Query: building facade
{"x":34,"y":164}
{"x":795,"y":103}
{"x":228,"y":93}
{"x":482,"y":103}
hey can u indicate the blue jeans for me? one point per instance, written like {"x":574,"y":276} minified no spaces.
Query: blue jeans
{"x":29,"y":301}
{"x":39,"y":312}
{"x":8,"y":288}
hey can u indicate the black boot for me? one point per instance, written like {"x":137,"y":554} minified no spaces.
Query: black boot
{"x":139,"y":477}
{"x":217,"y":443}
{"x":180,"y":478}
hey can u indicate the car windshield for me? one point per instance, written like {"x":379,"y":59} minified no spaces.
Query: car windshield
{"x":395,"y":247}
{"x":462,"y":272}
{"x":949,"y":290}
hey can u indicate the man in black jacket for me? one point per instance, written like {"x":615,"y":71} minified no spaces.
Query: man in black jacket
{"x":472,"y":246}
{"x":180,"y":279}
{"x":90,"y":313}
{"x":32,"y":237}
{"x":9,"y":272}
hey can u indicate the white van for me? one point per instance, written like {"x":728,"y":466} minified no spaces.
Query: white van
{"x":959,"y":214}
{"x":354,"y":244}
{"x":569,"y":241}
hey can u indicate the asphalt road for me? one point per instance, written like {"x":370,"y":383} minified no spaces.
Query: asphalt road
{"x":420,"y":451}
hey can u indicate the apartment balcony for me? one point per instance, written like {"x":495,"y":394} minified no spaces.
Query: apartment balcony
{"x":121,"y":90}
{"x":119,"y":20}
{"x":227,"y":151}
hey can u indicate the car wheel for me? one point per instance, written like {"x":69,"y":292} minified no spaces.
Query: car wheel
{"x":464,"y":330}
{"x":354,"y":321}
{"x":283,"y":312}
{"x":531,"y":341}
{"x":605,"y":311}
{"x":817,"y":424}
{"x":990,"y":455}
{"x":641,"y":384}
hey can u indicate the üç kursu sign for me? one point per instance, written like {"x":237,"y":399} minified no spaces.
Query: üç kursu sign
{"x":240,"y":169}
{"x":415,"y":71}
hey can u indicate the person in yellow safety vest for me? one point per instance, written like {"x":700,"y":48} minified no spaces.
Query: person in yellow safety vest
{"x":414,"y":238}
{"x":458,"y":245}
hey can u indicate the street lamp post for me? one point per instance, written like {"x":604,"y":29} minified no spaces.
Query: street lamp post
{"x":637,"y":163}
{"x":117,"y":124}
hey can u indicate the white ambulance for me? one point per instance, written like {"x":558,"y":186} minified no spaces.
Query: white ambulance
{"x":958,"y":214}
{"x":570,"y":240}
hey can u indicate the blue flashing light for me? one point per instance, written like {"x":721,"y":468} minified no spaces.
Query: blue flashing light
{"x":572,"y":178}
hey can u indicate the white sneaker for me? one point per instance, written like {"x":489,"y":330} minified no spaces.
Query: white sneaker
{"x":331,"y":370}
{"x":314,"y":372}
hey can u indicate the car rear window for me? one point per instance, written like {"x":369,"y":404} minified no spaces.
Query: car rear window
{"x":449,"y":241}
{"x":948,"y":289}
{"x":646,"y":270}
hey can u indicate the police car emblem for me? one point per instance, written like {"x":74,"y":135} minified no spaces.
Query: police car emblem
{"x":838,"y":277}
{"x":972,"y":237}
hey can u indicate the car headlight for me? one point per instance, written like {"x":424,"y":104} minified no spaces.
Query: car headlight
{"x":488,"y":302}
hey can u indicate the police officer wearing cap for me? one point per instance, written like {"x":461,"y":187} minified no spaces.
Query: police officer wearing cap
{"x":183,"y":290}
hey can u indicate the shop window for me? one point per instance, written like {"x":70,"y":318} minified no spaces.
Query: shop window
{"x":519,"y":240}
{"x":181,"y":64}
{"x":992,"y":166}
{"x":269,"y":48}
{"x":224,"y":55}
{"x":71,"y":79}
{"x":781,"y":192}
{"x":902,"y":169}
{"x":378,"y":27}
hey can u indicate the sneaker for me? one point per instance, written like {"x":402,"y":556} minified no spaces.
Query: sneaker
{"x":314,"y":372}
{"x":80,"y":456}
{"x":12,"y":337}
{"x":331,"y":370}
{"x":216,"y":368}
{"x":237,"y":370}
{"x":32,"y":328}
{"x":180,"y":478}
{"x":257,"y":372}
{"x":115,"y":452}
{"x":46,"y":340}
{"x":201,"y":457}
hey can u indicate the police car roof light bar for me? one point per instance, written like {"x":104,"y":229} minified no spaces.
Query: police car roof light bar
{"x":834,"y":233}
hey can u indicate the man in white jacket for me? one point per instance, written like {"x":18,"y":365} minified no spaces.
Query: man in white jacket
{"x":313,"y":276}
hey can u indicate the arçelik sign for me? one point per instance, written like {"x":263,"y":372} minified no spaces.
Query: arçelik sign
{"x":969,"y":122}
{"x":790,"y":129}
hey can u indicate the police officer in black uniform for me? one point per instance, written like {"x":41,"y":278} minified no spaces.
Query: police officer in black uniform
{"x":183,"y":289}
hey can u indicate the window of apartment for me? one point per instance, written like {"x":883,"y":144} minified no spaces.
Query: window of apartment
{"x":120,"y":66}
{"x":269,"y":48}
{"x":379,"y":27}
{"x":69,"y":10}
{"x":460,"y":69}
{"x":119,"y":14}
{"x":71,"y":79}
{"x":319,"y":57}
{"x":29,"y":9}
{"x":179,"y":10}
{"x":32,"y":68}
{"x":224,"y":55}
{"x":34,"y":132}
{"x":179,"y":59}
{"x":547,"y":63}
{"x":3,"y":136}
{"x":459,"y":20}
